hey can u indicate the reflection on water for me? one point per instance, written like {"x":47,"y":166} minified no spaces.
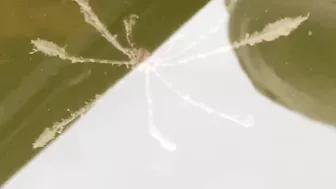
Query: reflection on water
{"x":37,"y":90}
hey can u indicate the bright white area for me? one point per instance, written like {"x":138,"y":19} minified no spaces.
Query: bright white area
{"x":111,"y":146}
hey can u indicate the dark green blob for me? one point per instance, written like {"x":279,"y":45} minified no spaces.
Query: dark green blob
{"x":297,"y":71}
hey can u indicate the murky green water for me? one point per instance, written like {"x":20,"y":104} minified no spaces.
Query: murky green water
{"x":36,"y":90}
{"x":298,"y":70}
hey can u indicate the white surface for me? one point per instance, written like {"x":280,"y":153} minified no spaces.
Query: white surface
{"x":111,"y":146}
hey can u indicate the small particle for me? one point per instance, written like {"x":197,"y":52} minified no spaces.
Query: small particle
{"x":286,"y":63}
{"x":266,"y":10}
{"x":310,"y":32}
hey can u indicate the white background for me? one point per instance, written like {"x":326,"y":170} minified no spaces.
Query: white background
{"x":111,"y":146}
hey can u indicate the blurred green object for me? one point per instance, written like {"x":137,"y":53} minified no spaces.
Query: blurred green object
{"x":37,"y":90}
{"x":297,"y":71}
